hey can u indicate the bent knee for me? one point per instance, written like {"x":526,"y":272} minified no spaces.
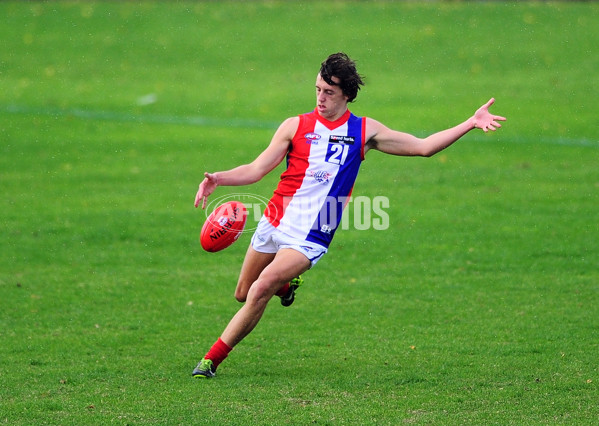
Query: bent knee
{"x":242,"y":289}
{"x":263,"y":289}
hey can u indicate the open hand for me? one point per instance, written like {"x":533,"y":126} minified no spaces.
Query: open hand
{"x":207,"y":187}
{"x":486,"y":121}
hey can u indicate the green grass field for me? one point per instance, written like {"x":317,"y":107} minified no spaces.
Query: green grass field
{"x":479,"y":304}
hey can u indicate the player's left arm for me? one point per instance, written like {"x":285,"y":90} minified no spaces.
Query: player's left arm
{"x":389,"y":141}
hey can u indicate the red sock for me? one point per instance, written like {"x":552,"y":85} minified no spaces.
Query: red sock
{"x":283,"y":290}
{"x":218,"y":352}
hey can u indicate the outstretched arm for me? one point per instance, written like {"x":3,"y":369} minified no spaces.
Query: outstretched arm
{"x":389,"y":141}
{"x":254,"y":171}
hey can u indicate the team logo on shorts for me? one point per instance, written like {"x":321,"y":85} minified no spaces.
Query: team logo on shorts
{"x":321,"y":176}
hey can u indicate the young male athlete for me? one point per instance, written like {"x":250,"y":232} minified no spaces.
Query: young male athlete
{"x":324,"y":149}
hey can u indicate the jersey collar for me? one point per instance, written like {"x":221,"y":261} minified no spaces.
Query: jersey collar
{"x":333,"y":124}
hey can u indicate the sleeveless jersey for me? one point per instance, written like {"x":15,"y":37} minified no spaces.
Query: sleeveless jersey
{"x":322,"y":165}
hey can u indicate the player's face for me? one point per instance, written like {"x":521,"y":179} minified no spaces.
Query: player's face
{"x":331,"y":103}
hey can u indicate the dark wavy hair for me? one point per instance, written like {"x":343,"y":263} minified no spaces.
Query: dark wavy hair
{"x":341,"y":66}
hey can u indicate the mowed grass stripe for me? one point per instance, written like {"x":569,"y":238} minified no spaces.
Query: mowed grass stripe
{"x":239,"y":123}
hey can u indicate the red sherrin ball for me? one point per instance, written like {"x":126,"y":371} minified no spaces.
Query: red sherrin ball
{"x":223,"y":226}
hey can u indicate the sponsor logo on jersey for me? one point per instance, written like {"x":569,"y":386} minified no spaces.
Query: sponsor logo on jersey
{"x":349,"y":140}
{"x":312,"y":138}
{"x":321,"y":176}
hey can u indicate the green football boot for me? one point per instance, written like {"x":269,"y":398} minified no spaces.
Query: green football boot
{"x":205,"y":369}
{"x":289,"y":297}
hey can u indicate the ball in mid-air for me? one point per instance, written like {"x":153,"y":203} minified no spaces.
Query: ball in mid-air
{"x":223,"y":226}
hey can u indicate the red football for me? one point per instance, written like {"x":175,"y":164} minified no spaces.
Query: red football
{"x":223,"y":226}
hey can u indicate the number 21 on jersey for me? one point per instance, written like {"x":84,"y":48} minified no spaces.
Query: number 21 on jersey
{"x":337,"y":153}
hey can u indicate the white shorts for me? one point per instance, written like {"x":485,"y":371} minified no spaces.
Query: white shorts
{"x":268,"y":239}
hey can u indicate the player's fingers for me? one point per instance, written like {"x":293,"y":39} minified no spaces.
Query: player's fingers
{"x":499,"y":117}
{"x":489,"y":103}
{"x":198,"y":196}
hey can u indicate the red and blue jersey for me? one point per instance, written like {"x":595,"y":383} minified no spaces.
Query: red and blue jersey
{"x":322,"y":165}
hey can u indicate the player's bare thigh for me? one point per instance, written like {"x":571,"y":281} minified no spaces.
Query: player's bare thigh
{"x":287,"y":264}
{"x":273,"y":269}
{"x":253,"y":265}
